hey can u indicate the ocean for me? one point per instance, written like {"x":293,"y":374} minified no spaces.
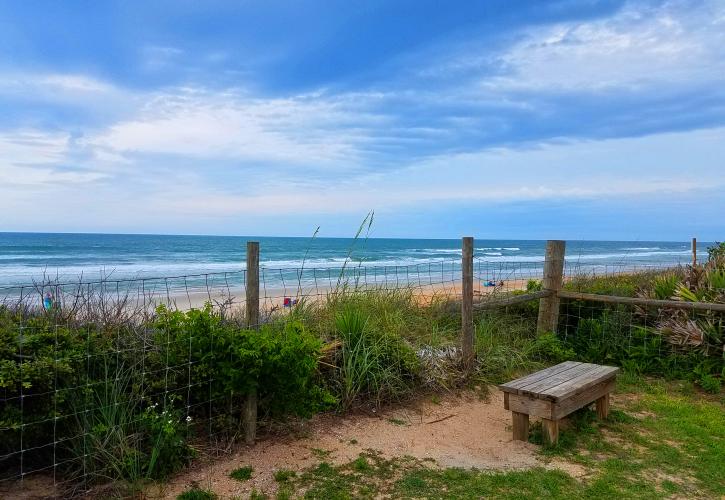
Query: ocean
{"x":27,"y":257}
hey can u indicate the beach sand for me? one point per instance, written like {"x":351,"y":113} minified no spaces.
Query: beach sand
{"x":272,"y":299}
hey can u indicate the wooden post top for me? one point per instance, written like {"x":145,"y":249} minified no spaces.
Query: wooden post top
{"x":561,"y":381}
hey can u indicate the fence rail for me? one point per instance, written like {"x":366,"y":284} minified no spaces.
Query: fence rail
{"x":637,"y":301}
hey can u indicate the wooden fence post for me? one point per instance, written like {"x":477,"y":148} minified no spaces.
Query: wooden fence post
{"x":467,"y":330}
{"x":252,"y":292}
{"x":694,"y":252}
{"x":553,"y":281}
{"x":252,"y":298}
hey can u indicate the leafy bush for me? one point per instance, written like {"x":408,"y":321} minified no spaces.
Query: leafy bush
{"x":105,"y":393}
{"x":710,"y":384}
{"x":548,"y":347}
{"x":279,"y":360}
{"x":41,"y":366}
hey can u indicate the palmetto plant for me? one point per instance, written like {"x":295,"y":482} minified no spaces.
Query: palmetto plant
{"x":702,"y":333}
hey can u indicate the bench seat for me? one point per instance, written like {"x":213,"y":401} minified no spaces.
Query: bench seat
{"x":555,"y":392}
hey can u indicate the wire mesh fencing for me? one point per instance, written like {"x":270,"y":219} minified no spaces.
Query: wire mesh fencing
{"x":90,"y":370}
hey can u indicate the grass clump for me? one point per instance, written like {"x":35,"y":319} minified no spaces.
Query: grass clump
{"x":284,"y":475}
{"x":242,"y":473}
{"x":258,"y":495}
{"x":501,"y":343}
{"x":376,"y":366}
{"x":197,"y":494}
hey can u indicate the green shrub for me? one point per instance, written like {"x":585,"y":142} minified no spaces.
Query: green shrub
{"x":710,"y":384}
{"x":242,"y":473}
{"x":279,"y":360}
{"x":533,"y":286}
{"x":548,"y":347}
{"x":42,"y":364}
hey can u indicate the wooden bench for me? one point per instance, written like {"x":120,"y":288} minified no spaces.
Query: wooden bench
{"x":555,"y":392}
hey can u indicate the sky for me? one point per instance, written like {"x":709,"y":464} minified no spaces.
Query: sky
{"x":577,"y":119}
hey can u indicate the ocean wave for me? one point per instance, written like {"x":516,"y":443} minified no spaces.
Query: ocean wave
{"x":587,"y":257}
{"x":458,"y":250}
{"x":510,"y":249}
{"x":441,"y":250}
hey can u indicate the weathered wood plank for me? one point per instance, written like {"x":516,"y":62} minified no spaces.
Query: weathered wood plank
{"x":541,"y":388}
{"x":581,"y":383}
{"x":530,"y":405}
{"x":536,"y":376}
{"x":512,"y":300}
{"x":551,"y":430}
{"x":520,"y":426}
{"x":603,"y":406}
{"x":564,"y":407}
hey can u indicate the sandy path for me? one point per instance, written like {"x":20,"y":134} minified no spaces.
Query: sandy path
{"x":462,"y":431}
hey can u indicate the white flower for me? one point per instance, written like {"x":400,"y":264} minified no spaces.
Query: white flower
{"x":188,"y":419}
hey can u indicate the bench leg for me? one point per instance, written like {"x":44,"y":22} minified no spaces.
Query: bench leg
{"x":551,"y":431}
{"x":521,"y":426}
{"x":603,"y":407}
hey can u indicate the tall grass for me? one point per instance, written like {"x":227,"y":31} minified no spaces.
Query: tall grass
{"x":505,"y":345}
{"x":375,"y":366}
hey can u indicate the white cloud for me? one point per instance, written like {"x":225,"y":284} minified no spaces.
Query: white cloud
{"x":55,"y":85}
{"x":307,"y":129}
{"x":32,"y":159}
{"x":673,"y":44}
{"x":670,"y":45}
{"x":32,"y":147}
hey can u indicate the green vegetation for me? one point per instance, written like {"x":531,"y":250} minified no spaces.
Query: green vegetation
{"x":375,"y":365}
{"x":284,"y":475}
{"x":197,"y":494}
{"x":644,"y":450}
{"x":242,"y":473}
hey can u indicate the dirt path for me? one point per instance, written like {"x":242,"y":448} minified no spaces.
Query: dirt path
{"x":462,"y":431}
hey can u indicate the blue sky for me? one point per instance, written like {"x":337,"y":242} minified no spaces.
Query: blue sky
{"x":573,"y":119}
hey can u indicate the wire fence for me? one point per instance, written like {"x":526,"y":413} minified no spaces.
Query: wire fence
{"x":87,"y":361}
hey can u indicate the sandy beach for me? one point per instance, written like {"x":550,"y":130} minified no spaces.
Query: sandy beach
{"x":273,"y":299}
